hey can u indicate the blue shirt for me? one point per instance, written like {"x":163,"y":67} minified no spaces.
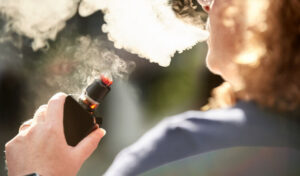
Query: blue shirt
{"x":196,"y":132}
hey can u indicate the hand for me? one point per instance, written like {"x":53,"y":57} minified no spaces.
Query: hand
{"x":40,"y":145}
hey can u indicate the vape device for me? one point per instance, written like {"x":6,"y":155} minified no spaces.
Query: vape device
{"x":79,"y":119}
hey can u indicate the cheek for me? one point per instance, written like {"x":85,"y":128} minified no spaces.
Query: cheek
{"x":225,"y":35}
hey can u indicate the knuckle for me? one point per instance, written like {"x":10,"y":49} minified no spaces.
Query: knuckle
{"x":43,"y":107}
{"x":8,"y":145}
{"x":57,"y":98}
{"x":60,"y":95}
{"x":31,"y":132}
{"x":26,"y":124}
{"x":53,"y":101}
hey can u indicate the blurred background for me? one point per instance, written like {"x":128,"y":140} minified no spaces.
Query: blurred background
{"x":139,"y":99}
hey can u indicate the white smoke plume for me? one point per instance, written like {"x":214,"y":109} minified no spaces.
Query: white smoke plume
{"x":148,"y":28}
{"x":36,"y":19}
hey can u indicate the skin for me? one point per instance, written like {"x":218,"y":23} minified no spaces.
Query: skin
{"x":40,"y":145}
{"x":226,"y":26}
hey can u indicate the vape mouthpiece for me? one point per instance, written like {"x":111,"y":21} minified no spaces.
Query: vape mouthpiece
{"x":94,"y":94}
{"x":98,"y":90}
{"x":106,"y":80}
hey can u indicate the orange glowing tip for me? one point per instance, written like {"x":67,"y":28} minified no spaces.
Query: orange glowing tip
{"x":105,"y":80}
{"x":93,"y":106}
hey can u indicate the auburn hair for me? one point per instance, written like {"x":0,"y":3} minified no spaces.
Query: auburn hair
{"x":275,"y":82}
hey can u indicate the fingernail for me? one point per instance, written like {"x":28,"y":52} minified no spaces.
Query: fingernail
{"x":103,"y":131}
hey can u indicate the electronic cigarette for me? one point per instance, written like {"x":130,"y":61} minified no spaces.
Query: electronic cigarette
{"x":79,"y":119}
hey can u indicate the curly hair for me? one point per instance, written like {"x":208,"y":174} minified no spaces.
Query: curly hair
{"x":189,"y":11}
{"x":275,"y":82}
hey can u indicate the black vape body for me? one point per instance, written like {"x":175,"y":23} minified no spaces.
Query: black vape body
{"x":78,"y":122}
{"x":79,"y":119}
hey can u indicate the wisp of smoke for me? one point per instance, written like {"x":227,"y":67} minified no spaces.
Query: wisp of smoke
{"x":148,"y":28}
{"x":79,"y":64}
{"x":36,"y":19}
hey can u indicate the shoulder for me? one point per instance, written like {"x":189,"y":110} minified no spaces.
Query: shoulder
{"x":234,"y":115}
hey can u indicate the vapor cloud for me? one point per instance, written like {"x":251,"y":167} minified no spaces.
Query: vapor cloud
{"x":36,"y":19}
{"x":148,"y":28}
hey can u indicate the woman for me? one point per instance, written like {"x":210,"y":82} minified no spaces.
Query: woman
{"x":253,"y":45}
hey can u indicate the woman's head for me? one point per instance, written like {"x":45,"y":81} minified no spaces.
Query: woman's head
{"x":229,"y":24}
{"x":255,"y":45}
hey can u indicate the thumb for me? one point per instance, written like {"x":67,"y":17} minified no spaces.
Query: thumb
{"x":87,"y":146}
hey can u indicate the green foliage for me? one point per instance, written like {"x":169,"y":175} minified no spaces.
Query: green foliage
{"x":177,"y":89}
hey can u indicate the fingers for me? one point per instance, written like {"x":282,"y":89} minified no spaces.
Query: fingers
{"x":87,"y":146}
{"x":25,"y":125}
{"x":40,"y":114}
{"x":56,"y":108}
